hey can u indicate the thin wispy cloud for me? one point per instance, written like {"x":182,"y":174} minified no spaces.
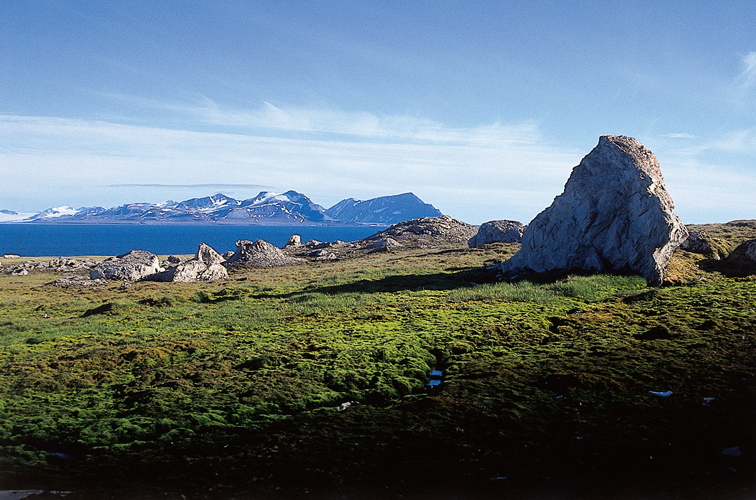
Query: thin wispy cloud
{"x":191,"y":186}
{"x":68,"y":152}
{"x":738,"y":141}
{"x":747,"y":77}
{"x":678,"y":136}
{"x":269,"y":119}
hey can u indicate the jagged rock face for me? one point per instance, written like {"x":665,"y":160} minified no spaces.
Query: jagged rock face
{"x":747,"y":250}
{"x":698,"y":242}
{"x":497,"y":231}
{"x":740,"y":262}
{"x":205,"y":266}
{"x":131,"y":266}
{"x":260,"y":254}
{"x":208,"y":255}
{"x":614,"y":214}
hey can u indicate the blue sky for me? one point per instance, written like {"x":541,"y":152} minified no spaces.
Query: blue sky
{"x":480,"y":108}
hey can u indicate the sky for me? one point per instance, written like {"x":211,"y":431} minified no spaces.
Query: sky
{"x":479,"y":108}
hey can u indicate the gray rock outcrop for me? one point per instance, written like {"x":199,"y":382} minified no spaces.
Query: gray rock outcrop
{"x":205,"y":266}
{"x":614,"y":214}
{"x":260,"y":254}
{"x":131,"y":266}
{"x":497,"y":231}
{"x":699,"y":242}
{"x":77,"y":281}
{"x":425,"y":232}
{"x":385,"y":245}
{"x":190,"y":271}
{"x":208,"y":255}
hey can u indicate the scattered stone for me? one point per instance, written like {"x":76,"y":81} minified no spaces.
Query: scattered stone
{"x":614,"y":215}
{"x":227,"y":255}
{"x":348,"y":404}
{"x":77,"y":281}
{"x":733,"y":451}
{"x":497,"y":231}
{"x":199,"y":271}
{"x":385,"y":245}
{"x":314,"y":244}
{"x":125,"y":286}
{"x":19,"y":271}
{"x":132,"y":266}
{"x":11,"y":256}
{"x":205,"y":266}
{"x":174,"y":259}
{"x":260,"y":254}
{"x":322,"y":254}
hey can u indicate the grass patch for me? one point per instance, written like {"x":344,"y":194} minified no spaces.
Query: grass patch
{"x":235,"y":385}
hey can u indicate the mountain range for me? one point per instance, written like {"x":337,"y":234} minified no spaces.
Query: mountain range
{"x":266,"y":208}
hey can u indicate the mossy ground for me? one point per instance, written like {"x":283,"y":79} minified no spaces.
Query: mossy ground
{"x":229,"y":389}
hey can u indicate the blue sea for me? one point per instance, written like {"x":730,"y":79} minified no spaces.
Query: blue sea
{"x":69,"y":240}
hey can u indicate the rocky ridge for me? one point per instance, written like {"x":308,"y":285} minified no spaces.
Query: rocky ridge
{"x":426,"y":232}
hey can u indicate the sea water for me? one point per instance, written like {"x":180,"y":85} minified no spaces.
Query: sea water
{"x":68,"y":240}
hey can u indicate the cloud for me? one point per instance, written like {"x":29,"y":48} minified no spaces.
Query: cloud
{"x":738,"y":142}
{"x":678,"y":136}
{"x":273,"y":121}
{"x":747,"y":77}
{"x":192,"y":186}
{"x":475,"y":174}
{"x":706,"y":192}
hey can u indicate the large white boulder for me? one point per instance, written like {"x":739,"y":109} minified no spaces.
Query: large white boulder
{"x":615,"y":214}
{"x":132,"y":266}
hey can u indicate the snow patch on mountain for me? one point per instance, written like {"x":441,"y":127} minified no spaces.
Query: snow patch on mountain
{"x":55,"y":213}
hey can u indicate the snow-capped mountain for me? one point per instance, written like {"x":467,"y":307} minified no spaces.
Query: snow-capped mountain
{"x":383,"y":210}
{"x":55,"y":213}
{"x":267,"y":208}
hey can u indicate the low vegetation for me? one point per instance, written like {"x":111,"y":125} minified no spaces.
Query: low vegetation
{"x":237,"y":389}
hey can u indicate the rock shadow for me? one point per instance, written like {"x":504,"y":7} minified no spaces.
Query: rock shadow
{"x":402,"y":283}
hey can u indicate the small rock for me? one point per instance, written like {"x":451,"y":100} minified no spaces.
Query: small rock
{"x":497,"y":231}
{"x":294,"y":241}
